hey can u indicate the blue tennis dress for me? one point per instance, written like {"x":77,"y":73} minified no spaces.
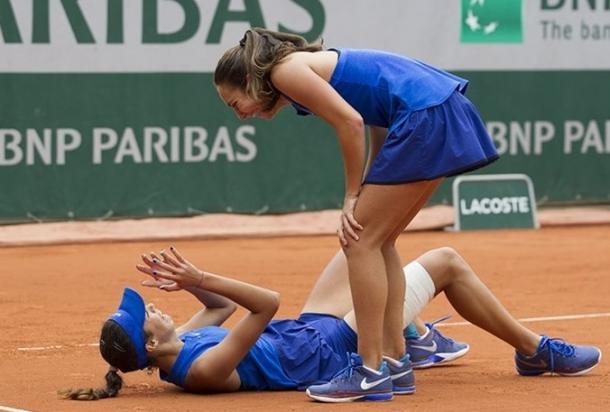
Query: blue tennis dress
{"x":289,"y":354}
{"x":433,"y":129}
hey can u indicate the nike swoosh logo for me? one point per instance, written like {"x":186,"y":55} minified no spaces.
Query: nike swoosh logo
{"x":401,"y":374}
{"x":368,"y":385}
{"x":429,"y":348}
{"x":540,"y":364}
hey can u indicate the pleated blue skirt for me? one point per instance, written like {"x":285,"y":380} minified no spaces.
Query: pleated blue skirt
{"x":440,"y":141}
{"x":313,"y":348}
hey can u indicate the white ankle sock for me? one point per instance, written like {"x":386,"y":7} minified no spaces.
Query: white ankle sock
{"x":376,"y":372}
{"x":422,"y":337}
{"x":393,"y":361}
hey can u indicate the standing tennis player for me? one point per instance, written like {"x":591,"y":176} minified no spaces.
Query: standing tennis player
{"x":422,"y":129}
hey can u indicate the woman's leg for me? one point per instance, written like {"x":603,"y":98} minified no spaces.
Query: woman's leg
{"x":536,"y":355}
{"x":445,"y":270}
{"x":331,"y":294}
{"x":451,"y":274}
{"x":420,"y":326}
{"x":474,"y":301}
{"x":394,"y":345}
{"x":374,"y":267}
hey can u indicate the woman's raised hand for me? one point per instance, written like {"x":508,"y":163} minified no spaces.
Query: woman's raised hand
{"x":149,"y":267}
{"x":170,"y":272}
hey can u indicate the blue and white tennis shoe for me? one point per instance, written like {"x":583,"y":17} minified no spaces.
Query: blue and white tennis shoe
{"x":355,"y":383}
{"x":557,"y":356}
{"x":433,"y":348}
{"x":401,"y":374}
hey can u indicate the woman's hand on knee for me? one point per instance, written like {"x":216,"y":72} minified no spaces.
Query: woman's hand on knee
{"x":348,"y":225}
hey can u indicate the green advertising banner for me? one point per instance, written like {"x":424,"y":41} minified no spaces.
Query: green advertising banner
{"x":552,"y":126}
{"x":169,"y":148}
{"x":108,"y":109}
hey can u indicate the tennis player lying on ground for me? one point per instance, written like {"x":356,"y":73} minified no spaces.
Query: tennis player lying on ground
{"x":264,"y":354}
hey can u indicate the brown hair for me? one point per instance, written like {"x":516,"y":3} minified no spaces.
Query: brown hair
{"x":118,"y":350}
{"x":248,"y":65}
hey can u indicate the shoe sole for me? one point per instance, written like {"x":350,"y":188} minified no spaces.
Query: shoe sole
{"x":375,"y":397}
{"x":410,"y":390}
{"x":439,"y":359}
{"x":542,"y":372}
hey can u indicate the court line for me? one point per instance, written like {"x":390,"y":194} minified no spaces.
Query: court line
{"x":9,"y":409}
{"x":448,"y":324}
{"x":541,"y":319}
{"x":41,"y":348}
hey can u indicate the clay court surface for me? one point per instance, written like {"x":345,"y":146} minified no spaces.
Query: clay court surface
{"x":54,"y":299}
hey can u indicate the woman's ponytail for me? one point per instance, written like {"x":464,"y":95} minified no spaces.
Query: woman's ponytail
{"x":114,"y":382}
{"x":117,"y":349}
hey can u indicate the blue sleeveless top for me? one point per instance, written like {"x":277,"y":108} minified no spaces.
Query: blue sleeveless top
{"x":434,"y":131}
{"x":385,"y":87}
{"x":289,"y":354}
{"x":259,"y":370}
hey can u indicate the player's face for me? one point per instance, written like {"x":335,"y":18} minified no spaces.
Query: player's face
{"x":243,"y":105}
{"x":157,"y":323}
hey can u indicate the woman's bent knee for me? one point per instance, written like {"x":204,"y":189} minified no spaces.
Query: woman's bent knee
{"x":442,"y":265}
{"x":361,"y":246}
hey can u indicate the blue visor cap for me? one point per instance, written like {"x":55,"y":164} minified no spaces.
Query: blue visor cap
{"x":130,"y":317}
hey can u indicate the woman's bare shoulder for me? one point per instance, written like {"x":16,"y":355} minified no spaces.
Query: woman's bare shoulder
{"x":321,"y":62}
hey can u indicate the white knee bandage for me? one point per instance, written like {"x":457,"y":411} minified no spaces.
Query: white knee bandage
{"x":419,"y":291}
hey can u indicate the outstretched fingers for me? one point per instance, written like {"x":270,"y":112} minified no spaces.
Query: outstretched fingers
{"x":167,"y":258}
{"x":147,"y":269}
{"x":150,"y":264}
{"x":168,"y":267}
{"x":178,"y":255}
{"x":169,"y":271}
{"x":166,"y":285}
{"x":166,"y":275}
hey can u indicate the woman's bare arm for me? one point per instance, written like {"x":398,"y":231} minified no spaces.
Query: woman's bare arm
{"x":215,"y":369}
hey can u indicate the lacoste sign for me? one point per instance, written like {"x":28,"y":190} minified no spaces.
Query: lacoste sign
{"x":494,"y":201}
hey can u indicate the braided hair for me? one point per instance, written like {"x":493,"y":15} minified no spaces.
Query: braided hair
{"x":118,"y":350}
